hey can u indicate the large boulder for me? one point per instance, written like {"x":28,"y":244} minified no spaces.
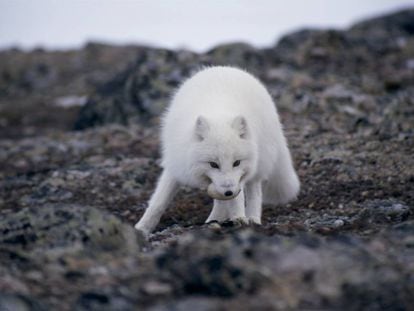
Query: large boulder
{"x":48,"y":233}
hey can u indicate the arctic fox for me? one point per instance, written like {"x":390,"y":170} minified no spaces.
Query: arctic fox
{"x":222,"y":134}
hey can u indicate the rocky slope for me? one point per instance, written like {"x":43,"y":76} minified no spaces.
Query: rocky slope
{"x":79,"y":158}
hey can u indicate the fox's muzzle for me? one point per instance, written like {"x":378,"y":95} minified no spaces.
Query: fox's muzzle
{"x":217,"y":195}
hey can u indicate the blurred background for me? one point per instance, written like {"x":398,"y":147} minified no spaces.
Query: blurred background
{"x":196,"y":25}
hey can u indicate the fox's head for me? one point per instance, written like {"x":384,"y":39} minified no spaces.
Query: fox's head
{"x":225,"y":155}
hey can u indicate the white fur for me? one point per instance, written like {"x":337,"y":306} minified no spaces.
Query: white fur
{"x":221,"y":115}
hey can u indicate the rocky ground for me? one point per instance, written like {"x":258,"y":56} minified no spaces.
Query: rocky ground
{"x":79,"y":159}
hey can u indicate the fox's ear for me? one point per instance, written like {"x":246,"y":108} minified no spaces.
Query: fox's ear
{"x":240,"y":125}
{"x":201,"y":128}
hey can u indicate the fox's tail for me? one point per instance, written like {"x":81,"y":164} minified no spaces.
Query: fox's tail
{"x":283,"y":184}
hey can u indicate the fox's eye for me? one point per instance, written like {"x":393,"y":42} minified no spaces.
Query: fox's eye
{"x":236,"y":163}
{"x":214,"y":165}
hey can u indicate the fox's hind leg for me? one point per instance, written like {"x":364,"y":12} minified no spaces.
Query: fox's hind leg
{"x":228,"y":210}
{"x":254,"y":201}
{"x":166,"y":189}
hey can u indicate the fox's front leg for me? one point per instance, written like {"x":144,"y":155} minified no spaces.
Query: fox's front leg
{"x":254,"y":201}
{"x":228,"y":210}
{"x":166,"y":188}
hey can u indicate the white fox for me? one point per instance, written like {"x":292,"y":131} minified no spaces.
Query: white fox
{"x":222,"y":134}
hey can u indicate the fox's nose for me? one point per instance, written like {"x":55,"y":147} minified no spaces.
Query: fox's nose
{"x":228,"y":193}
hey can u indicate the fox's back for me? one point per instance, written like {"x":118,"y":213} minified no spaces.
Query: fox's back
{"x":217,"y":92}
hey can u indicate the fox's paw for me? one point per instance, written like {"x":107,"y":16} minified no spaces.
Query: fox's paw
{"x":213,"y":225}
{"x":215,"y":219}
{"x":142,"y":230}
{"x":254,"y":221}
{"x":236,"y":222}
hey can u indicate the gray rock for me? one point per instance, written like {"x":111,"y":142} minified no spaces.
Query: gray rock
{"x":91,"y":301}
{"x":295,"y":271}
{"x":380,"y":211}
{"x":327,"y":223}
{"x":395,"y":25}
{"x":240,"y":55}
{"x":141,"y":91}
{"x":10,"y":302}
{"x":50,"y":232}
{"x":192,"y":303}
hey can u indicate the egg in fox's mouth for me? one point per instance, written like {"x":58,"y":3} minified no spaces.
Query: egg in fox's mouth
{"x":216,"y":195}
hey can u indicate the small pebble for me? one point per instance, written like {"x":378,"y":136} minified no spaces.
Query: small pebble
{"x":156,"y":288}
{"x":214,"y":225}
{"x":338,"y":223}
